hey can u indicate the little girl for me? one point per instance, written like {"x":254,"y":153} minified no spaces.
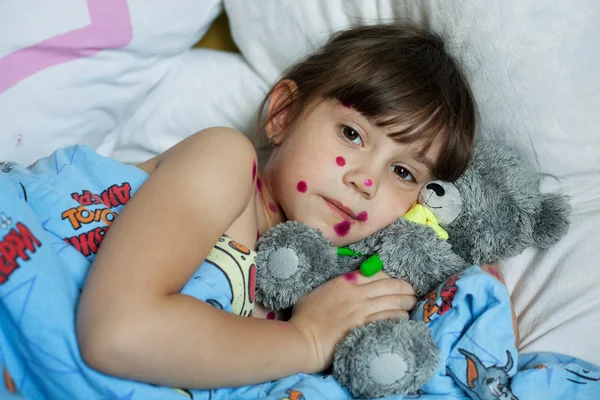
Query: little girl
{"x":356,"y":129}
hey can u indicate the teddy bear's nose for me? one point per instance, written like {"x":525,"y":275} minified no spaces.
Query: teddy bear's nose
{"x":437,"y":188}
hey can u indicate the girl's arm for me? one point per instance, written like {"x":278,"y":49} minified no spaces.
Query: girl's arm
{"x":494,"y":270}
{"x":132,"y":321}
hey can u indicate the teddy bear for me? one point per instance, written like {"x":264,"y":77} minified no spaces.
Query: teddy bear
{"x":493,"y":211}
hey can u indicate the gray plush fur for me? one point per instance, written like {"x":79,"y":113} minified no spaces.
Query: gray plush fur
{"x":494,"y":211}
{"x":278,"y":291}
{"x":399,"y":346}
{"x":504,"y":211}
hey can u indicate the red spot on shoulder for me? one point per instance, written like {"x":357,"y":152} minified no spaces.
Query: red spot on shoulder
{"x":259,"y":185}
{"x":271,"y":315}
{"x":302,"y":187}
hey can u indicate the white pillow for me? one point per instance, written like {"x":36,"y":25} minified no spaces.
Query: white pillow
{"x":73,"y":71}
{"x":205,"y":88}
{"x":533,"y":67}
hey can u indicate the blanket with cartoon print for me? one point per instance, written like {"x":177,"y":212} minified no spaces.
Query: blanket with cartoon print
{"x":53,"y":217}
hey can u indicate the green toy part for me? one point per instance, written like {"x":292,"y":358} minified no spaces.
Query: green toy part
{"x":369,"y":267}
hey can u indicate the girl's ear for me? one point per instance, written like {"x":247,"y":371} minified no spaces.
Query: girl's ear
{"x":280,"y":113}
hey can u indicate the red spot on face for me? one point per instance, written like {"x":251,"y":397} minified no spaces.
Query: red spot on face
{"x":362,"y":216}
{"x":272,"y":207}
{"x":253,"y":170}
{"x":351,"y":277}
{"x":342,"y":228}
{"x":302,"y":187}
{"x":368,"y":183}
{"x":340,"y":161}
{"x":271,"y":315}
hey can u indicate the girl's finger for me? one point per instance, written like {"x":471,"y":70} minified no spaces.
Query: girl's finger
{"x":357,"y":278}
{"x":388,"y":286}
{"x":383,"y":315}
{"x":392,"y":303}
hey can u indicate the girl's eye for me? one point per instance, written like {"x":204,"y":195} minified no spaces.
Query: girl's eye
{"x":350,"y":134}
{"x":403,"y":173}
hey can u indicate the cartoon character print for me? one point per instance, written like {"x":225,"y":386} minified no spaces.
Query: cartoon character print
{"x":485,"y":383}
{"x":293,"y":395}
{"x":238,"y":264}
{"x":93,"y":209}
{"x":184,"y":392}
{"x":9,"y":384}
{"x":446,"y":294}
{"x":5,"y":221}
{"x":583,"y":376}
{"x":18,"y":245}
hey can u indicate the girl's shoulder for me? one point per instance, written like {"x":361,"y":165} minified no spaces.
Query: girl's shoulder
{"x":217,"y":141}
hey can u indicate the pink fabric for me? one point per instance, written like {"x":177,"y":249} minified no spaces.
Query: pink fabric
{"x":110,"y":28}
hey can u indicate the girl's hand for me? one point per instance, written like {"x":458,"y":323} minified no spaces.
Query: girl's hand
{"x":328,"y":313}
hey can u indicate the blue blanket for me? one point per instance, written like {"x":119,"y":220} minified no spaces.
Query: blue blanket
{"x":53,"y":217}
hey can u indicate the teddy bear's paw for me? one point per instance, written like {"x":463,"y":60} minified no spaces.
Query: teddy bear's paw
{"x":292,"y":259}
{"x":283,"y":263}
{"x":387,"y":368}
{"x":386,"y":357}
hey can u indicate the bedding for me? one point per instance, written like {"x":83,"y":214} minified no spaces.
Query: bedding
{"x":54,"y":215}
{"x":533,"y":68}
{"x":73,"y":71}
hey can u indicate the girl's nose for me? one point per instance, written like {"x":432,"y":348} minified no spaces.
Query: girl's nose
{"x":363,"y":183}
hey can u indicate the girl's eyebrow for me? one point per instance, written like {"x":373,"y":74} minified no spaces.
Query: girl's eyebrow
{"x":423,"y":160}
{"x":373,"y":125}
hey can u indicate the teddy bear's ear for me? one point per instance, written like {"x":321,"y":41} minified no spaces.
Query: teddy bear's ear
{"x":552,"y":222}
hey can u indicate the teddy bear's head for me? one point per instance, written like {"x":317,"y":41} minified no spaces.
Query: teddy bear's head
{"x":495,"y":209}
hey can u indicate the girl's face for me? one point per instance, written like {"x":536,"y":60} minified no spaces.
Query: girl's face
{"x":338,"y":172}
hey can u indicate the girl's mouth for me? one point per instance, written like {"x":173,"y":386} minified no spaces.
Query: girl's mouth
{"x":343,"y":211}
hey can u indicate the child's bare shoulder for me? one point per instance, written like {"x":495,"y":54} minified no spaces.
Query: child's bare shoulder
{"x":219,"y":144}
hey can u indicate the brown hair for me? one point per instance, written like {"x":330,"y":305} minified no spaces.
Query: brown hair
{"x":393,"y":74}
